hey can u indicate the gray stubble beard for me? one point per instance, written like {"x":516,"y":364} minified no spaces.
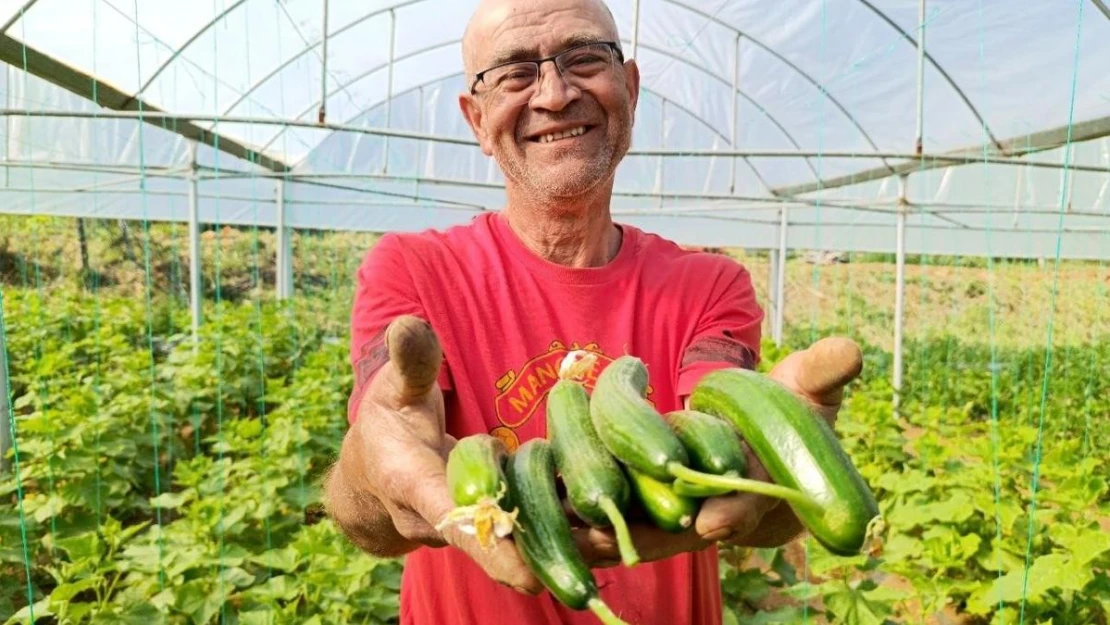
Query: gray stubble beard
{"x":551,"y":192}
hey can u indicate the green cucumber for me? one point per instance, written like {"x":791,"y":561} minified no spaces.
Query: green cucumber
{"x":713,"y":446}
{"x":638,"y":436}
{"x":799,"y":450}
{"x":544,"y":540}
{"x":667,"y":510}
{"x":597,"y":489}
{"x":476,"y":480}
{"x":474,"y":469}
{"x":633,"y":431}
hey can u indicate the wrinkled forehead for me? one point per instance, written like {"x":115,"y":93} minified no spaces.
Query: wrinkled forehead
{"x":502,"y":31}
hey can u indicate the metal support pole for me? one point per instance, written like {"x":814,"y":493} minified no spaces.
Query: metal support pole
{"x":900,"y":227}
{"x":321,"y":116}
{"x":662,"y":142}
{"x":195,"y":294}
{"x":899,"y":291}
{"x":284,"y":242}
{"x":773,"y":288}
{"x":780,"y":280}
{"x":389,"y":87}
{"x":635,"y":27}
{"x":419,"y":146}
{"x":735,"y":114}
{"x":6,"y":415}
{"x":920,"y":79}
{"x":7,"y":124}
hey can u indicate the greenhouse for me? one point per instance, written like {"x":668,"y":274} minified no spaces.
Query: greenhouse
{"x":188,"y":190}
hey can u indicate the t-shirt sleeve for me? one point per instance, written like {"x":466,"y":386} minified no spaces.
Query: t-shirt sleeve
{"x":728,"y":333}
{"x":385,"y":290}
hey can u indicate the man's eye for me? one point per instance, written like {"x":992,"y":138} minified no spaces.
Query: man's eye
{"x":586,"y":59}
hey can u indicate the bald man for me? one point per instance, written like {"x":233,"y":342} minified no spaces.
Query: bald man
{"x":551,"y":97}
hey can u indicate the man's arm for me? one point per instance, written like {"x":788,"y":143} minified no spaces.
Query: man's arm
{"x":388,"y":490}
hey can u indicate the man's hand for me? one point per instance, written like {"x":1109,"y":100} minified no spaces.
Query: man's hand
{"x":818,"y":375}
{"x":389,"y":489}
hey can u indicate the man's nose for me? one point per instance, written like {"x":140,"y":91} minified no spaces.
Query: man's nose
{"x":553,"y":92}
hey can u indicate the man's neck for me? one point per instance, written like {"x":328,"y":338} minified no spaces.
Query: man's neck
{"x":582,"y":237}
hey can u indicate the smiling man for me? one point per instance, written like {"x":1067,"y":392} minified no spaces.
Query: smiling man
{"x":552,"y":98}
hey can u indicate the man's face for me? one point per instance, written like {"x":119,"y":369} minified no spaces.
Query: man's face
{"x":565,"y":132}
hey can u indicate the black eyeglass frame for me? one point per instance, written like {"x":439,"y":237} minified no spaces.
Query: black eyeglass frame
{"x":613,"y":45}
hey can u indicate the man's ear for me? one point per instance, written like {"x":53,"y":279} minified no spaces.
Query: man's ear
{"x":472,"y":112}
{"x":632,"y":83}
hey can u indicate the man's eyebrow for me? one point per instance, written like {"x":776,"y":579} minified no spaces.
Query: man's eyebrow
{"x":519,"y":53}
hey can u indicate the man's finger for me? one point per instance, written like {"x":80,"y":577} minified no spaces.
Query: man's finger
{"x":732,"y":516}
{"x":502,"y":562}
{"x":415,"y":358}
{"x":599,"y":545}
{"x":597,"y":550}
{"x":432,"y":501}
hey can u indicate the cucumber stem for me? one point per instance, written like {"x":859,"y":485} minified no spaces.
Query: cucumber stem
{"x":745,"y":485}
{"x":629,"y":555}
{"x":604,"y":612}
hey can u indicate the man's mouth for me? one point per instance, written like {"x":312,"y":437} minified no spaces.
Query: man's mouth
{"x":551,"y":137}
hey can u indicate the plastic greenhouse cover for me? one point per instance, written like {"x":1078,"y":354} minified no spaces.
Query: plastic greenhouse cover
{"x":817,"y":77}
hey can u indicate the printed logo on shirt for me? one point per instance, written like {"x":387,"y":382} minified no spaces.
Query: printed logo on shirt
{"x":521,"y":393}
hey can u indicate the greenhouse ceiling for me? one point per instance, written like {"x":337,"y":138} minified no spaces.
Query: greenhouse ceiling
{"x":343,"y":115}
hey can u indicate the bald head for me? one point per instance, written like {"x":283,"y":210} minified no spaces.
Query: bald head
{"x":494,"y":16}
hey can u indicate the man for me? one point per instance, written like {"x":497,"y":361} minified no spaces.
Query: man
{"x":507,"y":296}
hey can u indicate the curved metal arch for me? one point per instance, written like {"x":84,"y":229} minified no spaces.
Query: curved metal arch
{"x":936,"y":66}
{"x":188,"y":42}
{"x":133,"y":98}
{"x":20,"y":12}
{"x":306,"y":50}
{"x":740,"y":92}
{"x":246,"y":94}
{"x":446,"y":77}
{"x":769,"y":50}
{"x":1101,"y":6}
{"x":646,"y":46}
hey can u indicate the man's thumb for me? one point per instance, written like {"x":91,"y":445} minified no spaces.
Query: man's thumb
{"x":415,"y":355}
{"x":824,"y":368}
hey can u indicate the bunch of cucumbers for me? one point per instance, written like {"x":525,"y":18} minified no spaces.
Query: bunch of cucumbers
{"x":612,"y":446}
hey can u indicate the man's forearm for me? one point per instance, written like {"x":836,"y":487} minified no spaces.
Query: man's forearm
{"x":359,"y":514}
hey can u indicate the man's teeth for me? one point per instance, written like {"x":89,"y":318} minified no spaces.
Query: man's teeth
{"x":573,"y":132}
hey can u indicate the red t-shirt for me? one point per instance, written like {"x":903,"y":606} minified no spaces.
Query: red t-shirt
{"x":506,"y":318}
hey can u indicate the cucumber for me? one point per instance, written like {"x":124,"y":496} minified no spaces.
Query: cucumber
{"x":474,"y":469}
{"x":638,"y":436}
{"x":713,"y":446}
{"x":631,"y":429}
{"x":667,"y":510}
{"x":476,"y":479}
{"x":597,"y":489}
{"x":544,"y":540}
{"x":799,"y":450}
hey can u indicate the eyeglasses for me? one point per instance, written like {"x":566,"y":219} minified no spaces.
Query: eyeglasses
{"x":579,"y":62}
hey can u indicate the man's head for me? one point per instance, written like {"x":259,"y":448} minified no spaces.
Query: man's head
{"x":515,"y":113}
